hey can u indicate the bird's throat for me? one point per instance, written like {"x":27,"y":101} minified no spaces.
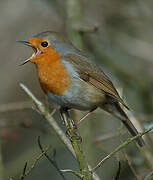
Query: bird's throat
{"x":53,"y":76}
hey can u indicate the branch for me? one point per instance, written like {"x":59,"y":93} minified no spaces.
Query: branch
{"x":147,"y":153}
{"x":120,"y":147}
{"x":53,"y":123}
{"x":149,"y":176}
{"x":49,"y":118}
{"x":118,"y":171}
{"x":51,"y":160}
{"x":26,"y":173}
{"x":73,"y":172}
{"x":76,"y":143}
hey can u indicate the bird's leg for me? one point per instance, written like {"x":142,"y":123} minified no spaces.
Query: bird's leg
{"x":53,"y":112}
{"x":65,"y":118}
{"x":71,"y":127}
{"x":84,"y":117}
{"x":64,"y":115}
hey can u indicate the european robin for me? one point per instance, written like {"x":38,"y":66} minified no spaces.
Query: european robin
{"x":72,"y":80}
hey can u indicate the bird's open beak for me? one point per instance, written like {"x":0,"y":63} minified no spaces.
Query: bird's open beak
{"x":25,"y":43}
{"x":33,"y":55}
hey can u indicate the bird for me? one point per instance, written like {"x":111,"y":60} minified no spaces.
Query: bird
{"x":71,"y":79}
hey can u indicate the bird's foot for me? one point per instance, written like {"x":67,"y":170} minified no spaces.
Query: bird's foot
{"x":73,"y":133}
{"x":72,"y":128}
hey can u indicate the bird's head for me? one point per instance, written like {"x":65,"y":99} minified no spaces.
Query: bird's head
{"x":45,"y":44}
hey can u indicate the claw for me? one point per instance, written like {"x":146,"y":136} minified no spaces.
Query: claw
{"x":76,"y":134}
{"x":68,"y":134}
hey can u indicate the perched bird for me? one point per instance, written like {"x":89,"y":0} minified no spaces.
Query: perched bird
{"x":72,"y":80}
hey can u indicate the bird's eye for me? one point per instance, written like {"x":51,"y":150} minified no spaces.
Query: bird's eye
{"x":44,"y":44}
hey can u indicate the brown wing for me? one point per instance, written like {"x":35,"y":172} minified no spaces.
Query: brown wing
{"x":92,"y":74}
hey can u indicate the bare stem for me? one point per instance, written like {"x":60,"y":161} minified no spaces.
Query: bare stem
{"x":76,"y":143}
{"x":56,"y":128}
{"x":27,"y":172}
{"x":49,"y":118}
{"x":120,"y":147}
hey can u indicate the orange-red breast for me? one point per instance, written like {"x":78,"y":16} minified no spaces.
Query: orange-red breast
{"x":71,"y":79}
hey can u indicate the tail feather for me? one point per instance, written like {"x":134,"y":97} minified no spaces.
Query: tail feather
{"x":117,"y":111}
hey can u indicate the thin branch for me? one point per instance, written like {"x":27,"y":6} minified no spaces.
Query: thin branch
{"x":53,"y":124}
{"x":146,"y":152}
{"x":49,"y":118}
{"x":73,"y":172}
{"x":52,"y":161}
{"x":131,"y":166}
{"x":118,"y":171}
{"x":26,"y":173}
{"x":149,"y":175}
{"x":76,"y":143}
{"x":126,"y":155}
{"x":122,"y":146}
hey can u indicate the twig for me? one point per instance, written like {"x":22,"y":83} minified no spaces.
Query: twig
{"x":131,"y":166}
{"x":120,"y":147}
{"x":118,"y":171}
{"x":26,"y":173}
{"x":148,"y":176}
{"x":76,"y":143}
{"x":126,"y":155}
{"x":53,"y":124}
{"x":146,"y":152}
{"x":52,"y":161}
{"x":49,"y":118}
{"x":73,"y":172}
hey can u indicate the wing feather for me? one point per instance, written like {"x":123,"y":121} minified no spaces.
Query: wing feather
{"x":92,"y":74}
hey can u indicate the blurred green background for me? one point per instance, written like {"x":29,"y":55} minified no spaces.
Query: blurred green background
{"x":119,"y":36}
